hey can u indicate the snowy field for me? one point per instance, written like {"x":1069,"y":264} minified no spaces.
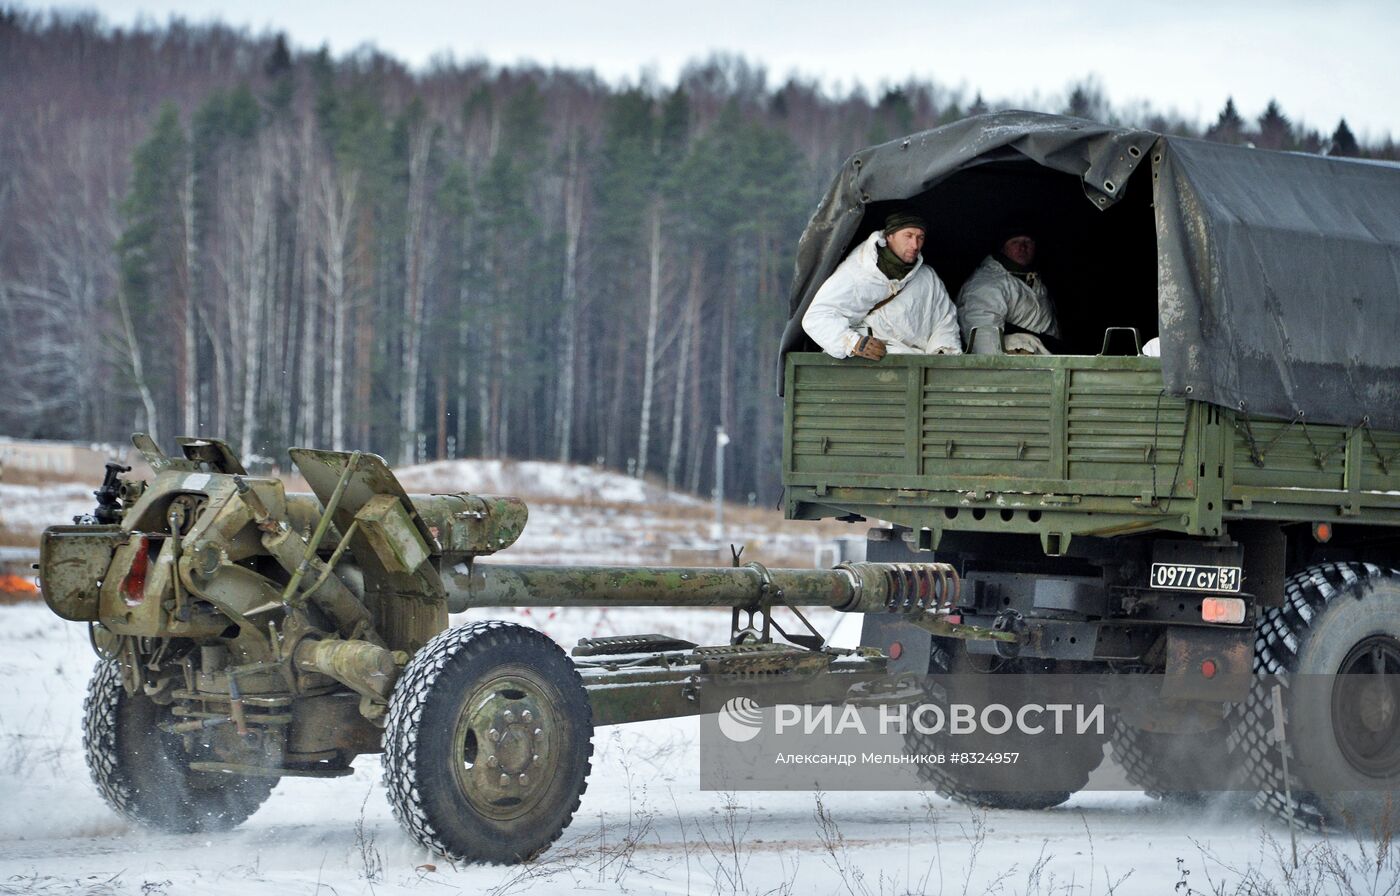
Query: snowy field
{"x":644,"y":826}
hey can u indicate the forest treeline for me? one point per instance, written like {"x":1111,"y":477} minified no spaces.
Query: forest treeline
{"x":206,"y":233}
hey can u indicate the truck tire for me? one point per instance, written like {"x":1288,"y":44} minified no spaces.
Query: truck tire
{"x":488,"y":742}
{"x":999,"y":786}
{"x":143,"y":772}
{"x":1334,"y":649}
{"x":1159,"y":762}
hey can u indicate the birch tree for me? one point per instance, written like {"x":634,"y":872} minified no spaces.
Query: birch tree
{"x":335,"y":195}
{"x":569,"y":299}
{"x":418,"y":251}
{"x":257,"y":233}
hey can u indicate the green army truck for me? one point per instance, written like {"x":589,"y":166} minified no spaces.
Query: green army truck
{"x":1230,"y":507}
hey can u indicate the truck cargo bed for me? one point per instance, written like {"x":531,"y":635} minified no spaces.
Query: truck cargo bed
{"x":1059,"y":446}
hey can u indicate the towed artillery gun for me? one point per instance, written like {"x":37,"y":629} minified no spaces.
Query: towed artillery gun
{"x":247,"y":634}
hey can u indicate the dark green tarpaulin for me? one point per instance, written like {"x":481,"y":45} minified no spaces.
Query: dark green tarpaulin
{"x":1278,"y":274}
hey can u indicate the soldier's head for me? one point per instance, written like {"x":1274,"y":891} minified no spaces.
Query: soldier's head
{"x":1020,"y":248}
{"x":904,"y":234}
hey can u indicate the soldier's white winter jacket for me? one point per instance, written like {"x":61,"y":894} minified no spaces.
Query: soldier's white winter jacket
{"x":920,"y":320}
{"x":993,"y":297}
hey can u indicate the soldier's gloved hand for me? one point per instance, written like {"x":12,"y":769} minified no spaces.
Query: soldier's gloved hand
{"x":868,"y":347}
{"x":948,"y":350}
{"x":1024,"y":344}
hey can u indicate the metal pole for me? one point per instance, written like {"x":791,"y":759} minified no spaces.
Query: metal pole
{"x":1280,"y":737}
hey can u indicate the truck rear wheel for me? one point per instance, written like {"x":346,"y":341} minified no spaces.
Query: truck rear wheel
{"x":143,"y":772}
{"x":1334,"y":649}
{"x":1068,"y":760}
{"x":1159,"y":762}
{"x":487,"y":744}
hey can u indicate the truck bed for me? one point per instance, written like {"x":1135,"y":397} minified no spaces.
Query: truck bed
{"x":1059,"y":446}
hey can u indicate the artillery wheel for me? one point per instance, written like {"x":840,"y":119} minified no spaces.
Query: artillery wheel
{"x":487,"y":744}
{"x":143,"y":773}
{"x":1000,"y":786}
{"x":1334,"y":648}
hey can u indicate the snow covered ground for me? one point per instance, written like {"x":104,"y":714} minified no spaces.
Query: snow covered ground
{"x":644,"y":826}
{"x":25,"y":510}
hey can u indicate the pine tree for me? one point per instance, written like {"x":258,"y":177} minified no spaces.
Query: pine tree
{"x":1228,"y":127}
{"x":894,"y":116}
{"x":153,"y":269}
{"x":1343,"y":142}
{"x":624,"y":191}
{"x":520,"y":293}
{"x":1086,"y":100}
{"x":278,"y":69}
{"x":1275,"y":130}
{"x":279,"y":59}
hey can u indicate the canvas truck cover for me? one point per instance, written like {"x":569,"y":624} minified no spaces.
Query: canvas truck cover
{"x":1278,"y":274}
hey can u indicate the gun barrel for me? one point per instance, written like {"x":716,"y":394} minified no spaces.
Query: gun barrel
{"x":852,"y":587}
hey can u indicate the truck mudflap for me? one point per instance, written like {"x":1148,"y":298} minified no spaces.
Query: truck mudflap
{"x":1209,"y":663}
{"x":73,"y":561}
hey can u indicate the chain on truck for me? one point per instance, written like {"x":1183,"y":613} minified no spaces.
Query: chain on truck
{"x":1224,"y":511}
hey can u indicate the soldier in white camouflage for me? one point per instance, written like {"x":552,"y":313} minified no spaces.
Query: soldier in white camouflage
{"x":883,"y":298}
{"x":1006,"y":296}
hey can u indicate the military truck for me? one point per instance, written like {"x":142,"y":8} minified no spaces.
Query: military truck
{"x":1225,"y":516}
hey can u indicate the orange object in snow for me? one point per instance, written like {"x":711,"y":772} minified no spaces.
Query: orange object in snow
{"x":17,"y":585}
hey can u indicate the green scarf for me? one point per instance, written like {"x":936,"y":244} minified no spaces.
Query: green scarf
{"x":891,"y":265}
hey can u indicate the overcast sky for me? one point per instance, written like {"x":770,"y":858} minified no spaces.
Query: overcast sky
{"x":1322,"y":60}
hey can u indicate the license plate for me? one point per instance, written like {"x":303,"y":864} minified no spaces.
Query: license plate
{"x":1193,"y":577}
